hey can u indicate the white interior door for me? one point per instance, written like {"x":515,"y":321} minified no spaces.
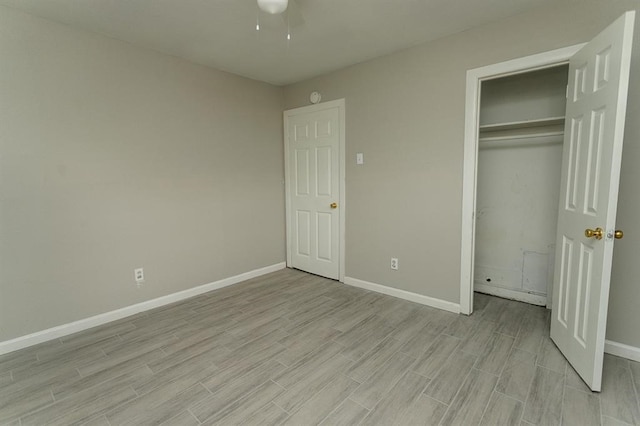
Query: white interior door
{"x":596,"y":106}
{"x":312,"y":154}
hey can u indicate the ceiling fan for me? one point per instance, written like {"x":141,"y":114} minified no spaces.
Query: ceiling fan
{"x":287,"y":9}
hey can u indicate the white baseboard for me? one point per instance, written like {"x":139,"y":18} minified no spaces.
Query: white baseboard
{"x":622,"y":350}
{"x":520,"y":296}
{"x":613,"y":348}
{"x":403,"y":294}
{"x":86,"y":323}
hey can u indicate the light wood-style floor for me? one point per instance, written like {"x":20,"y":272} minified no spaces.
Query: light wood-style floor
{"x":296,"y":349}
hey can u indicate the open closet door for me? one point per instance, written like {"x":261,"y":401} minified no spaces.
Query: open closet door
{"x":594,"y":130}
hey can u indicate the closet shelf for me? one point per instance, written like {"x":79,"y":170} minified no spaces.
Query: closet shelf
{"x":549,"y":121}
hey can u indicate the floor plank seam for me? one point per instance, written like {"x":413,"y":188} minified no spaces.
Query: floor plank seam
{"x":564,"y":391}
{"x":635,"y":385}
{"x":601,"y":411}
{"x":484,"y":410}
{"x":276,"y":404}
{"x":331,"y":412}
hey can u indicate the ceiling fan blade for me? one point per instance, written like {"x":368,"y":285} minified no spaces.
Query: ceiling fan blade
{"x":293,"y":14}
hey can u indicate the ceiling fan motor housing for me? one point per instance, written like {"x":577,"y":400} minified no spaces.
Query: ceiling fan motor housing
{"x":273,"y":7}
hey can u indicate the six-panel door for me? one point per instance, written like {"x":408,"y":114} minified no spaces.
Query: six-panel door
{"x":594,"y":130}
{"x":313,"y":184}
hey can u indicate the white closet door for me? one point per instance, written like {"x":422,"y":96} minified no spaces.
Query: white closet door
{"x":594,"y":130}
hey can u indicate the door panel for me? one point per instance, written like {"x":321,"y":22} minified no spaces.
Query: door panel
{"x":324,"y":171}
{"x":324,"y":236}
{"x":596,"y":107}
{"x":303,"y":233}
{"x":313,"y":148}
{"x":302,"y":172}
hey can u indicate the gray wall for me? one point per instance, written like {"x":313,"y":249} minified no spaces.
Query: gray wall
{"x":406,"y":113}
{"x":114,"y":157}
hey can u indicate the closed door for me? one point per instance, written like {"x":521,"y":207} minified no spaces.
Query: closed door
{"x":594,"y":130}
{"x":312,"y":155}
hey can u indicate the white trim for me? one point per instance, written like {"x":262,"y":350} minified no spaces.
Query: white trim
{"x":343,"y":188}
{"x":622,"y":350}
{"x":86,"y":323}
{"x":403,"y":294}
{"x":340,"y":104}
{"x":470,"y":157}
{"x":506,"y":293}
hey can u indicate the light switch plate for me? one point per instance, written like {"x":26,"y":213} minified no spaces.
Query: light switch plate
{"x":359,"y":158}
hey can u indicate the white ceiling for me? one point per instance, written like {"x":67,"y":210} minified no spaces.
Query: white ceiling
{"x":326,"y":34}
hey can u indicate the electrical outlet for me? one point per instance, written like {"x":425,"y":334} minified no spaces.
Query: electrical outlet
{"x":394,"y":263}
{"x":138,"y":274}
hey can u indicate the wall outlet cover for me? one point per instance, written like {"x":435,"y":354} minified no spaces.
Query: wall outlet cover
{"x":138,"y":274}
{"x":394,"y":263}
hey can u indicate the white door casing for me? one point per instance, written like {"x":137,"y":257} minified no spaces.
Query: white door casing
{"x":314,"y":181}
{"x":475,"y":77}
{"x":594,"y":131}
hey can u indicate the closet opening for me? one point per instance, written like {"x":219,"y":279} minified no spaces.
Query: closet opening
{"x":521,"y":130}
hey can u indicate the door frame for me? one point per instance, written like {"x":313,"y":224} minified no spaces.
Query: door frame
{"x":475,"y":77}
{"x":340,"y":104}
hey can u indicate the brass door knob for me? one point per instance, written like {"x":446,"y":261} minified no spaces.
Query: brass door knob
{"x":334,"y":205}
{"x":618,"y":234}
{"x":596,"y":233}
